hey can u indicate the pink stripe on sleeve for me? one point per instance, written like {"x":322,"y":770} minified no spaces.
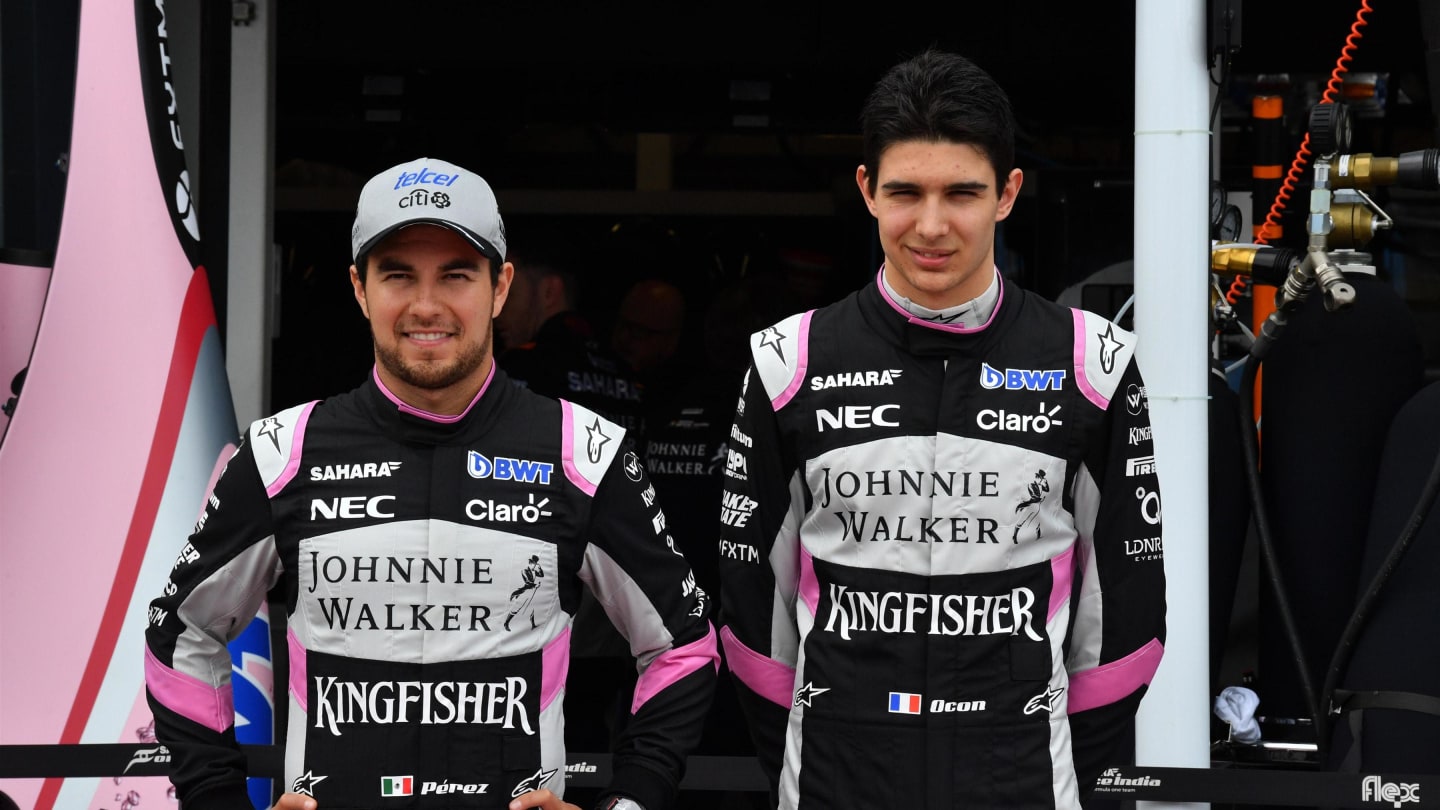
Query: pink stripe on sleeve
{"x":567,"y":452}
{"x":1080,"y":379}
{"x":802,"y":362}
{"x":674,"y":664}
{"x":296,"y":444}
{"x":1106,"y":684}
{"x":210,"y":706}
{"x":767,"y":677}
{"x":1062,"y":572}
{"x":554,"y":667}
{"x":297,"y":670}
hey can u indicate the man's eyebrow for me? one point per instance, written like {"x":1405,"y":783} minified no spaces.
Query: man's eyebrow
{"x":393,"y":264}
{"x":390,"y":264}
{"x":461,"y":264}
{"x":969,"y":185}
{"x":906,"y":185}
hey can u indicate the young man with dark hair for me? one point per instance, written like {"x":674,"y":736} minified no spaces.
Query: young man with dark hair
{"x":406,"y":525}
{"x":897,"y":639}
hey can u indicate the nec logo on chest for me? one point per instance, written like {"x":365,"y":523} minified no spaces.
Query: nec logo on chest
{"x":508,"y":469}
{"x":856,"y":416}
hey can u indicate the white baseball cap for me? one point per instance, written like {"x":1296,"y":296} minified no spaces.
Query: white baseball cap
{"x":429,"y":191}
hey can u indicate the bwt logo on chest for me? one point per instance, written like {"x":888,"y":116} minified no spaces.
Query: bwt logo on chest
{"x":508,"y":469}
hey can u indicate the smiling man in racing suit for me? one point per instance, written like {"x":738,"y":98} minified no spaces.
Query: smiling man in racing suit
{"x":397,"y":522}
{"x":898,"y":639}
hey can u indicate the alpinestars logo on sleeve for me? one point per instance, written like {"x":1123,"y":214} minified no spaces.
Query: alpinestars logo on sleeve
{"x":535,"y":781}
{"x":596,"y":442}
{"x":1045,"y":701}
{"x":804,"y":694}
{"x":305,"y":783}
{"x":1108,"y":347}
{"x":771,"y":337}
{"x":271,"y":427}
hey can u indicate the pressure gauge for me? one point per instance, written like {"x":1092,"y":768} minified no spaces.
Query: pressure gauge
{"x":1231,"y":223}
{"x":1330,"y":128}
{"x":1217,"y":203}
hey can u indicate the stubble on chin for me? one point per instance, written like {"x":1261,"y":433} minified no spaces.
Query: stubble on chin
{"x":429,"y":375}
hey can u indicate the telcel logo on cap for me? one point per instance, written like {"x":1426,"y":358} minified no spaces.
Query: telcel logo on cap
{"x":425,"y":177}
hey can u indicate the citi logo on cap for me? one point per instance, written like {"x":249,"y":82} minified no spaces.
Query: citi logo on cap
{"x":425,"y":177}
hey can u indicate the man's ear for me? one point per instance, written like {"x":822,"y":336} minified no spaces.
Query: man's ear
{"x":1009,"y":194}
{"x":863,"y":181}
{"x":502,"y":288}
{"x":359,"y":291}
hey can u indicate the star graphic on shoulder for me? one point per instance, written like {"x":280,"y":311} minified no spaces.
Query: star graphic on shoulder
{"x":771,"y":337}
{"x":808,"y":691}
{"x":1108,"y":347}
{"x":306,"y":782}
{"x":271,"y":427}
{"x":1045,"y":700}
{"x":535,"y":781}
{"x":596,"y":442}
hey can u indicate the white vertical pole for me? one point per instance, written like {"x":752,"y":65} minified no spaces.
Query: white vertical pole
{"x":1172,"y":155}
{"x":248,"y":314}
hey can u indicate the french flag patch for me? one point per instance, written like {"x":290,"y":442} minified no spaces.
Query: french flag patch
{"x":904,"y":703}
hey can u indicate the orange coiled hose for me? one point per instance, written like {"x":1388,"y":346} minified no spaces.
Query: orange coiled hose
{"x":1302,"y":155}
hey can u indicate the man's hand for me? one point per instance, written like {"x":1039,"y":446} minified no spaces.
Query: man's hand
{"x":543,"y":799}
{"x":295,"y":801}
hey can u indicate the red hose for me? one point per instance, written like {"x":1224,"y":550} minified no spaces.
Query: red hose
{"x":1302,"y":155}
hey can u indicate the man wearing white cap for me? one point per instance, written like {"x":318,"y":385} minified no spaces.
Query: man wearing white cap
{"x":397,"y":520}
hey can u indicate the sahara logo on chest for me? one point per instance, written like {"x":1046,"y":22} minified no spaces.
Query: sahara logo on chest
{"x":856,"y":379}
{"x":348,"y":472}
